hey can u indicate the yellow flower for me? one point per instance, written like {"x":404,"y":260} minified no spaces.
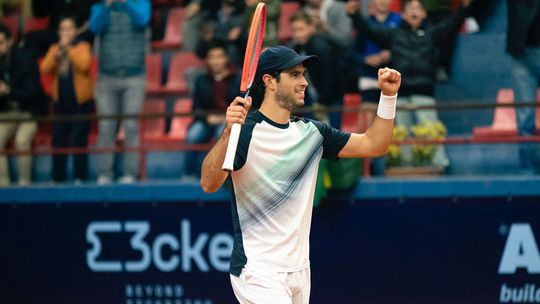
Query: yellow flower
{"x":429,"y":130}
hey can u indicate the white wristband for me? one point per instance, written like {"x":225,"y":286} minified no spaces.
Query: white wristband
{"x":387,"y":107}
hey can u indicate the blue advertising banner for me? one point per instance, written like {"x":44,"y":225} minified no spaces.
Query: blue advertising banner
{"x":477,"y":250}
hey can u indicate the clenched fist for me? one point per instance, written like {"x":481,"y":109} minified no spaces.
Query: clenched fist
{"x":389,"y":81}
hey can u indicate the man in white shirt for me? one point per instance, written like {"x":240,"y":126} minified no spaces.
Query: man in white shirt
{"x":274,"y":175}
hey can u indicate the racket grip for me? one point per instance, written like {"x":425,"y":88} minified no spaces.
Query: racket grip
{"x":231,"y":147}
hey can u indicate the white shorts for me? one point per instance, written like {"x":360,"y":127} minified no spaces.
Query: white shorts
{"x":272,"y":288}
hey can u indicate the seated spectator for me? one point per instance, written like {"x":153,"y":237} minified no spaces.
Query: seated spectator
{"x":323,"y":90}
{"x":413,"y":44}
{"x":120,"y":88}
{"x":69,"y":61}
{"x":370,"y":58}
{"x":213,"y":91}
{"x":19,"y":99}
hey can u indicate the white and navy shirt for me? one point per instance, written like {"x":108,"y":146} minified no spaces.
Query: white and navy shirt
{"x":274,"y":177}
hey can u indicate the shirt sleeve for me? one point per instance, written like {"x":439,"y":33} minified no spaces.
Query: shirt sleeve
{"x":139,"y":12}
{"x":333,"y":140}
{"x":99,"y":18}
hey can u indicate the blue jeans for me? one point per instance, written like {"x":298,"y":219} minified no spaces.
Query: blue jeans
{"x":199,"y":132}
{"x":525,"y":76}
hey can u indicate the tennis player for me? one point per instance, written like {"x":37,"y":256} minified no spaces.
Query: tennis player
{"x":274,"y":174}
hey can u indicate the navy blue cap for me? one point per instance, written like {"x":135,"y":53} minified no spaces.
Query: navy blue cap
{"x":279,"y":58}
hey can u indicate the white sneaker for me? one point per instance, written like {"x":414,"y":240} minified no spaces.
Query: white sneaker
{"x":104,"y":180}
{"x":127,"y":179}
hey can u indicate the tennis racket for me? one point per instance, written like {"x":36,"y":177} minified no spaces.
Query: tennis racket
{"x":251,"y":59}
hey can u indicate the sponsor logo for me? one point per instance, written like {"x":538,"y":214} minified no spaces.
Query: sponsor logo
{"x":520,"y":254}
{"x":185,"y":253}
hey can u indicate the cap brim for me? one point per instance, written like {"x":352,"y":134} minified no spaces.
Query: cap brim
{"x":306,"y":60}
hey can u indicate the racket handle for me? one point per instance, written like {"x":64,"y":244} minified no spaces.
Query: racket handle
{"x":231,"y":147}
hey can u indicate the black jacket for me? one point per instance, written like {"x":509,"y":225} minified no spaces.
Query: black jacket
{"x":22,"y":75}
{"x":414,"y":52}
{"x":523,"y":25}
{"x":324,"y":76}
{"x":203,"y":92}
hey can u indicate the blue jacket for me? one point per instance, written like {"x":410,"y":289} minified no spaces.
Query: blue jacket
{"x":121,"y":28}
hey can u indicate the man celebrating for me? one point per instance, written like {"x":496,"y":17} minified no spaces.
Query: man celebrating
{"x":274,"y":175}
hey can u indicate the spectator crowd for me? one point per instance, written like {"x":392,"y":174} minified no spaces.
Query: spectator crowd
{"x":78,"y":58}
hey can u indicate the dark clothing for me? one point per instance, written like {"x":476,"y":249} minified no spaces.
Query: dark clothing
{"x":365,"y":47}
{"x":21,"y":74}
{"x":414,"y":52}
{"x":66,"y":89}
{"x":523,"y":26}
{"x":324,"y":77}
{"x":207,"y":98}
{"x":71,"y":134}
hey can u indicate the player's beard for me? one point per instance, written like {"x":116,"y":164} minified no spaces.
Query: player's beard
{"x":287,"y":99}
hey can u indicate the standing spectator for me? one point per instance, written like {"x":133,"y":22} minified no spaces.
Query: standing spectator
{"x":413,"y":45}
{"x":371,"y":58}
{"x":209,"y":19}
{"x":121,"y":27}
{"x":523,"y":45}
{"x":330,"y":18}
{"x":225,"y":24}
{"x":197,"y":13}
{"x":439,"y":11}
{"x":69,"y":61}
{"x":324,"y":88}
{"x":19,"y":99}
{"x":213,"y":89}
{"x":273,"y":10}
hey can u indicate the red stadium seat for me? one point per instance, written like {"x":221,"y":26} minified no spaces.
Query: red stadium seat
{"x":180,"y":63}
{"x":153,"y":73}
{"x":288,"y":9}
{"x":180,"y":124}
{"x":173,"y":30}
{"x":504,"y":119}
{"x":36,"y":24}
{"x":395,"y":6}
{"x":155,"y":127}
{"x":352,"y":121}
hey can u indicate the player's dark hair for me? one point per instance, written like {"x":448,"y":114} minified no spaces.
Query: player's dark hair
{"x":259,"y":89}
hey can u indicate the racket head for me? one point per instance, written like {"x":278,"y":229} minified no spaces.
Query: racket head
{"x":253,"y":47}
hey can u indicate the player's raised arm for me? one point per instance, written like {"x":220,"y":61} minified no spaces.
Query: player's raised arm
{"x":212,"y":175}
{"x":377,"y":138}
